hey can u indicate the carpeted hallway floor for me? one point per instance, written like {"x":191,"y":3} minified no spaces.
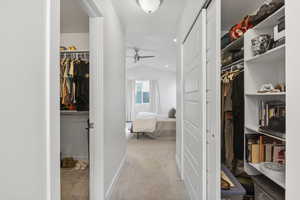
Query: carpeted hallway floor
{"x":150,"y":172}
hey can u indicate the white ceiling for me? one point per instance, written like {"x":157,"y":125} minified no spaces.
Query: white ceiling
{"x":233,"y":11}
{"x":73,"y":17}
{"x":154,"y":32}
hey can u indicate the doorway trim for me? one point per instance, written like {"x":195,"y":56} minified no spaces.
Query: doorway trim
{"x":52,"y":37}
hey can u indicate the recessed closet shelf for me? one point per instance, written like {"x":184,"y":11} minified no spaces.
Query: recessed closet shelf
{"x":234,"y":44}
{"x":73,"y":112}
{"x":256,"y":130}
{"x":271,"y":55}
{"x":277,"y":180}
{"x":272,"y":20}
{"x":234,"y":63}
{"x":266,"y":94}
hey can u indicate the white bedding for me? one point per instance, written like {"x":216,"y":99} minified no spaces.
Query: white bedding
{"x":153,"y":123}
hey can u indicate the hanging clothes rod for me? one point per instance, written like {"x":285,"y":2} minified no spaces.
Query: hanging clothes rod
{"x":238,"y":63}
{"x":74,"y":52}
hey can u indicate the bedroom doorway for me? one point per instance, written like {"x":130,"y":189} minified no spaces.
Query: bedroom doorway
{"x":150,"y":103}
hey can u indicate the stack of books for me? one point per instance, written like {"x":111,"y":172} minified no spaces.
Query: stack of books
{"x":261,"y":149}
{"x":272,"y":118}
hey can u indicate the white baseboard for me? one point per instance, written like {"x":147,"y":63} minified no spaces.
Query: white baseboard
{"x":178,"y":164}
{"x":111,"y":188}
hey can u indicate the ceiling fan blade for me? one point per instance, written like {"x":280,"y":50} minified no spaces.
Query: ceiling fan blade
{"x":142,"y":57}
{"x":140,"y":49}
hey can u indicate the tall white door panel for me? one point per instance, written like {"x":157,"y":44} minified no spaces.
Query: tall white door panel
{"x":213,"y":100}
{"x":194,"y":110}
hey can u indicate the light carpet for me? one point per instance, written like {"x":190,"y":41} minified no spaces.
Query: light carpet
{"x":150,"y":171}
{"x":74,"y":184}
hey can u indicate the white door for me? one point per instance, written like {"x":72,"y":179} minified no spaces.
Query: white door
{"x":213,"y":22}
{"x":194,"y":109}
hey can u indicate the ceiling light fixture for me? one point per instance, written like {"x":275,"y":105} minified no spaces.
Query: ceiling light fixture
{"x":149,"y":6}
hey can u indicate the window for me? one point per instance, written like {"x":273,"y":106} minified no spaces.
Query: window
{"x":142,"y":92}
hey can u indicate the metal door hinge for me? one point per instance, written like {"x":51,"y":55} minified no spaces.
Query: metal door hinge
{"x":91,"y":125}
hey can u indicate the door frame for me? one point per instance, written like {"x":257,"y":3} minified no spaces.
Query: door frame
{"x":96,"y":32}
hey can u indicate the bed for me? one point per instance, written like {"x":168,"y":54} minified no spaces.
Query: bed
{"x":153,"y":125}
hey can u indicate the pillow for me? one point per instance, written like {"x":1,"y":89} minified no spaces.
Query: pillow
{"x":172,"y":113}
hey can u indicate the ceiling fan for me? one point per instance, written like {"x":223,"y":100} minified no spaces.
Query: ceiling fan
{"x":137,"y":57}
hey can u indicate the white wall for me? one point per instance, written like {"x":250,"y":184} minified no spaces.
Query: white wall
{"x":166,"y":82}
{"x":25,"y":139}
{"x":80,"y":40}
{"x":293,"y":96}
{"x":114,"y":93}
{"x":74,"y":136}
{"x":23,"y":143}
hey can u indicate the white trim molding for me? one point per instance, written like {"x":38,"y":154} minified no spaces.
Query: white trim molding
{"x":178,"y":164}
{"x":52,"y":100}
{"x":111,"y":187}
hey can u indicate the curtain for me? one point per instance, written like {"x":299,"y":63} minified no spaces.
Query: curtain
{"x":154,"y":97}
{"x":130,"y":100}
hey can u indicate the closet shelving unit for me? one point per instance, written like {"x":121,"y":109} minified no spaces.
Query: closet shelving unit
{"x":262,"y":69}
{"x":225,"y":67}
{"x":234,"y":45}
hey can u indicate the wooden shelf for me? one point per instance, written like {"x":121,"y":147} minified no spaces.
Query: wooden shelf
{"x":271,"y":55}
{"x":256,"y":130}
{"x":278,"y":180}
{"x":272,"y":20}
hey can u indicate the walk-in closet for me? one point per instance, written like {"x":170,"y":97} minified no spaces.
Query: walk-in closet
{"x":74,"y":101}
{"x":253,"y":95}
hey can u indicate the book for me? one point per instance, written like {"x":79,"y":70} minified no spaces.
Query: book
{"x":249,"y":154}
{"x":279,"y":154}
{"x":255,"y":153}
{"x":250,"y":139}
{"x":271,"y":117}
{"x":261,"y":149}
{"x":268,"y":152}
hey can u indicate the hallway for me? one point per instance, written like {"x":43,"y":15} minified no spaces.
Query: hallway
{"x":150,"y":171}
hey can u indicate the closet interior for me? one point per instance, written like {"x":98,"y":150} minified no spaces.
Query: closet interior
{"x":253,"y":100}
{"x":74,"y":101}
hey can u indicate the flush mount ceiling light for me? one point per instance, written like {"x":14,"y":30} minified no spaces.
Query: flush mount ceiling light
{"x":149,"y":6}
